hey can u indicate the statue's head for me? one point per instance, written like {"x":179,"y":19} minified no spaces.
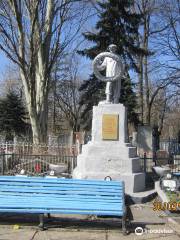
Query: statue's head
{"x":112,"y":48}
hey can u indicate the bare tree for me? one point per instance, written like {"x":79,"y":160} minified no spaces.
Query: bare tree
{"x":146,"y":8}
{"x":152,"y":70}
{"x":33,"y":33}
{"x":11,"y":81}
{"x":169,"y":40}
{"x":165,"y":107}
{"x":67,"y":94}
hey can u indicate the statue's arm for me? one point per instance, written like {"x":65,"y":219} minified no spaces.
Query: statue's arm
{"x":103,"y":65}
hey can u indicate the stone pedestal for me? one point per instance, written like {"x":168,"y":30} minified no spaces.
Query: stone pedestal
{"x":106,"y":157}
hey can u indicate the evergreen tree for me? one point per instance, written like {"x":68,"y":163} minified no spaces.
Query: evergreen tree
{"x":12,"y":116}
{"x":117,"y":24}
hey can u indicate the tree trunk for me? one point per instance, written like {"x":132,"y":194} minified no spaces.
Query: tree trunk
{"x":145,"y":63}
{"x":38,"y":123}
{"x":38,"y":110}
{"x":146,"y":81}
{"x":40,"y":120}
{"x":141,"y":94}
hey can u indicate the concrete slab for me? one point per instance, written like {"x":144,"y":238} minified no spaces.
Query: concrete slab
{"x":55,"y":234}
{"x":75,"y":235}
{"x":141,"y":197}
{"x":155,"y":225}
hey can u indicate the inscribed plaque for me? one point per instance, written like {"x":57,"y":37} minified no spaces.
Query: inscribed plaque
{"x":110,"y":126}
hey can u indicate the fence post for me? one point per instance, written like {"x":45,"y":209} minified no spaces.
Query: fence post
{"x":145,"y":158}
{"x":23,"y":148}
{"x":169,"y":145}
{"x":72,"y":159}
{"x":72,"y":164}
{"x":3,"y":161}
{"x":6,"y":150}
{"x":154,"y":158}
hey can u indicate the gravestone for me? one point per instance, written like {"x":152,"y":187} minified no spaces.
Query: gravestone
{"x":144,"y":141}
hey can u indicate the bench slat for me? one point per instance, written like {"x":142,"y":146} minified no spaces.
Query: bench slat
{"x":62,"y":187}
{"x":63,"y":205}
{"x":60,"y":180}
{"x":51,"y":203}
{"x":55,"y":184}
{"x":81,"y":212}
{"x":90,"y":194}
{"x":59,"y":191}
{"x":59,"y":198}
{"x":76,"y":198}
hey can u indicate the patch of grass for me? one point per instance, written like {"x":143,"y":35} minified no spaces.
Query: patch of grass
{"x":173,"y":196}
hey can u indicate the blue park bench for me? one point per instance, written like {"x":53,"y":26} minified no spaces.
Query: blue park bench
{"x":176,"y":174}
{"x":62,"y":196}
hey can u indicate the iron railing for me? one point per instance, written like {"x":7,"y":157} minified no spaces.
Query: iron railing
{"x":42,"y":149}
{"x":11,"y":164}
{"x":148,"y":163}
{"x":172,"y":146}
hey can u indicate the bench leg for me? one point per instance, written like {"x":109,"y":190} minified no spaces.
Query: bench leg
{"x":124,"y":227}
{"x":41,"y":221}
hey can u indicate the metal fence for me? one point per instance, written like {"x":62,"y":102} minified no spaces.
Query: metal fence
{"x":29,"y":149}
{"x":172,"y":146}
{"x":173,"y":163}
{"x":11,"y":164}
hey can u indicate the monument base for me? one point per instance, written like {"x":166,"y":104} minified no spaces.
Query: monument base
{"x":114,"y":158}
{"x":118,"y":162}
{"x":133,"y":182}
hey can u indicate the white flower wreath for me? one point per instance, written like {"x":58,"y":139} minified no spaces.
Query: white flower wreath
{"x":96,"y":70}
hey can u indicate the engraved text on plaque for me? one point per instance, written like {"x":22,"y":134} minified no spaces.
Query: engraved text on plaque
{"x":110,"y":126}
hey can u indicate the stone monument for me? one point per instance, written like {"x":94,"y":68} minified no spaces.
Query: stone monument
{"x":109,"y":154}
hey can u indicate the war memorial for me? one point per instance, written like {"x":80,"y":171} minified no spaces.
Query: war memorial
{"x":109,"y":154}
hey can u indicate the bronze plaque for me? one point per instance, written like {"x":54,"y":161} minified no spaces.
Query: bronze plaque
{"x":110,"y":127}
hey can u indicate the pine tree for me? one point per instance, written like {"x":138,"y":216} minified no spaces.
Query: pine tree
{"x":117,"y":24}
{"x":12,"y":116}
